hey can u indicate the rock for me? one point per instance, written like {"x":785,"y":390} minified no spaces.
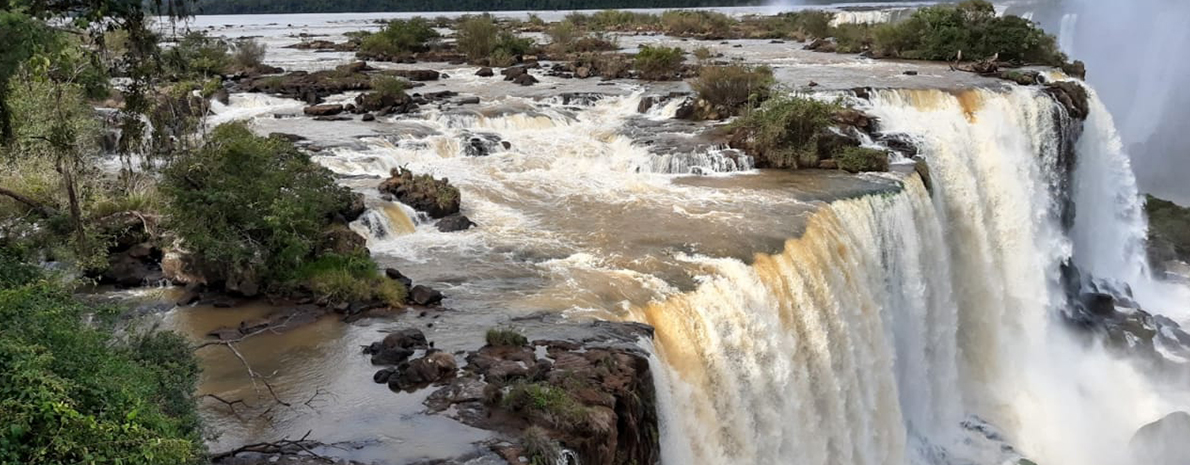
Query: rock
{"x":1024,"y":78}
{"x":407,"y":338}
{"x":525,"y":80}
{"x":923,"y":171}
{"x":582,"y":72}
{"x":822,"y":45}
{"x":134,"y":267}
{"x":432,"y":368}
{"x":1076,"y":69}
{"x":467,"y":101}
{"x":286,"y":136}
{"x":1072,"y":96}
{"x":323,"y":110}
{"x":395,"y":275}
{"x":853,"y":118}
{"x":687,"y":111}
{"x":812,"y":84}
{"x":513,"y":72}
{"x":436,"y":197}
{"x":332,"y":118}
{"x":481,"y":144}
{"x":485,"y":72}
{"x":828,"y":165}
{"x":354,"y":209}
{"x":368,"y":117}
{"x":910,"y":73}
{"x":340,"y":239}
{"x":388,"y":103}
{"x":1163,"y":442}
{"x":354,"y":67}
{"x":425,"y":295}
{"x":222,"y":96}
{"x":416,"y":74}
{"x":455,"y":222}
{"x":391,"y":356}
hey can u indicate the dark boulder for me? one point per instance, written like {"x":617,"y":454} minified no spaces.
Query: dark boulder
{"x":323,"y":110}
{"x":432,"y":368}
{"x":525,"y":80}
{"x":1077,"y":69}
{"x":395,"y":275}
{"x":136,"y":266}
{"x":406,"y":338}
{"x":416,"y":74}
{"x":425,"y":295}
{"x":391,"y":356}
{"x":384,"y":102}
{"x":485,"y":72}
{"x":455,"y":222}
{"x":368,"y":117}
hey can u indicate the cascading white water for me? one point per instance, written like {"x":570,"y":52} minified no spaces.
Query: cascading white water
{"x":868,"y":339}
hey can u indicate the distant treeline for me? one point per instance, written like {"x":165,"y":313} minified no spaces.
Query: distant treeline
{"x":224,"y":7}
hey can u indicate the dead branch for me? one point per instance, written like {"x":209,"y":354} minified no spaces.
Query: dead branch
{"x":283,"y":446}
{"x":36,"y":206}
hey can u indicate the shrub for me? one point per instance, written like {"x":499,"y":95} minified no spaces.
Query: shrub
{"x":349,"y":278}
{"x":688,"y":23}
{"x":546,"y":402}
{"x":71,"y":393}
{"x":658,"y":63}
{"x":617,"y":20}
{"x":562,"y":36}
{"x":249,"y":54}
{"x":477,"y":37}
{"x":597,"y":42}
{"x":505,"y":338}
{"x":784,"y":131}
{"x":857,"y":159}
{"x":731,"y":88}
{"x":540,"y":448}
{"x":399,"y":38}
{"x":388,"y":86}
{"x":250,"y":206}
{"x":198,"y":54}
{"x":703,"y":54}
{"x":940,"y":32}
{"x":798,"y":25}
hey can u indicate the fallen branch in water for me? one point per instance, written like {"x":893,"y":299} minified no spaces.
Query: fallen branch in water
{"x":283,"y":446}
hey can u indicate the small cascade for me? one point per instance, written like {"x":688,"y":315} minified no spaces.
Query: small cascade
{"x":385,"y":221}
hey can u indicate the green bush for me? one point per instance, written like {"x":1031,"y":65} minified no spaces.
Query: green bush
{"x":249,"y":54}
{"x":196,"y":54}
{"x":731,"y":88}
{"x":562,"y":36}
{"x":388,"y":86}
{"x":349,"y":278}
{"x":250,"y":206}
{"x":505,"y":338}
{"x":658,"y":63}
{"x":700,"y":23}
{"x":477,"y":37}
{"x":614,"y":20}
{"x":941,"y":32}
{"x":71,"y":393}
{"x":399,"y":38}
{"x":784,"y":130}
{"x":703,"y":54}
{"x":859,"y":159}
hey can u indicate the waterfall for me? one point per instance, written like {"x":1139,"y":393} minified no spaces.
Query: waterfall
{"x":898,"y":323}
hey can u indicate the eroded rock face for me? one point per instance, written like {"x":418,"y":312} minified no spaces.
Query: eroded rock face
{"x":423,"y":192}
{"x":455,"y":222}
{"x":600,"y":390}
{"x":1108,"y":309}
{"x":1072,"y":96}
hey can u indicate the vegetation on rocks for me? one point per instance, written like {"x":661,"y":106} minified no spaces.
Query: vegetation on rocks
{"x":253,"y":208}
{"x":480,"y":38}
{"x":399,"y":38}
{"x":784,"y":132}
{"x":505,"y":338}
{"x":659,"y":63}
{"x":1169,"y":230}
{"x":72,"y":393}
{"x":859,"y":159}
{"x":729,"y":89}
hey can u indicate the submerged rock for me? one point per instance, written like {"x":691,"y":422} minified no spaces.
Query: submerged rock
{"x":323,"y":110}
{"x":425,"y":295}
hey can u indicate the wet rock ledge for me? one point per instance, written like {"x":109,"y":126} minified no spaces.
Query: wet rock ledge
{"x":585,"y":396}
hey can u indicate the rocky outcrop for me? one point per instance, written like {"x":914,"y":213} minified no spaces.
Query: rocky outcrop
{"x":1108,"y":309}
{"x":323,"y":110}
{"x":455,"y":222}
{"x":313,"y":87}
{"x":423,"y":192}
{"x":384,"y":103}
{"x":589,"y":395}
{"x":1072,"y":96}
